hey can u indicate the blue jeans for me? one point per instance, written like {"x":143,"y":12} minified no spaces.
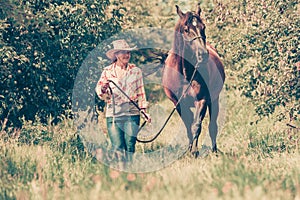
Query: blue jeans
{"x":123,"y":131}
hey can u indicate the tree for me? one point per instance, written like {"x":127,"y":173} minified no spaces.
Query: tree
{"x":269,"y":71}
{"x":43,"y":43}
{"x":259,"y":42}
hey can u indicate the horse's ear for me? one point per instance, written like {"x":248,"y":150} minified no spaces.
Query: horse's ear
{"x":198,"y":10}
{"x":179,"y":12}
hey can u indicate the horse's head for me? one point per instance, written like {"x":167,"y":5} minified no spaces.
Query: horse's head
{"x":192,"y":30}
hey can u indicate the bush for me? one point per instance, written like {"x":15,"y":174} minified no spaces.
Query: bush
{"x":43,"y":44}
{"x":273,"y":81}
{"x":259,"y":42}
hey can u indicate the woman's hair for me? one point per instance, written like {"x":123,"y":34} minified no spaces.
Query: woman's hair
{"x":114,"y":60}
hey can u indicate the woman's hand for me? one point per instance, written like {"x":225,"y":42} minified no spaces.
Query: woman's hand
{"x":104,"y":88}
{"x":146,"y":115}
{"x":106,"y":94}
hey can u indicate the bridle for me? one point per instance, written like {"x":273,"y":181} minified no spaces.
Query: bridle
{"x":194,"y":38}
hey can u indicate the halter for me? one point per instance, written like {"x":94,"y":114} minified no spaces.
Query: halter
{"x":194,"y":23}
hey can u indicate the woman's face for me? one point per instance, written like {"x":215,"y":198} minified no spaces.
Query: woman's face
{"x":123,"y":56}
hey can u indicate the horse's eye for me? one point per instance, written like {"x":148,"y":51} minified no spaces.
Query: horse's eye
{"x":186,"y":29}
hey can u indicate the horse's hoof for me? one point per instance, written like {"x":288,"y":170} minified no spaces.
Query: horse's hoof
{"x":215,"y":149}
{"x":190,"y":147}
{"x":195,"y":154}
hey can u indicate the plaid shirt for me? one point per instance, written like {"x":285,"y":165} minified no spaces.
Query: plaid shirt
{"x":131,"y":83}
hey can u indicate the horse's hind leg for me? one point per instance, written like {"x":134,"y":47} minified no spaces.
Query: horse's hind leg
{"x":213,"y":126}
{"x":201,"y":107}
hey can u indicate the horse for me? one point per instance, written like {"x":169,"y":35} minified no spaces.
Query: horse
{"x":193,"y":76}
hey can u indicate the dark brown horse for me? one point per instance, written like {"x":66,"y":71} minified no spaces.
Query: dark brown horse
{"x":194,"y":75}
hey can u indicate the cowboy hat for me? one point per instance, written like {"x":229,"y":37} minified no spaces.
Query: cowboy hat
{"x":119,"y":45}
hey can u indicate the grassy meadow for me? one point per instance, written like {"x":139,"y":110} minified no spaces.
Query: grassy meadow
{"x":257,"y":161}
{"x":43,"y":45}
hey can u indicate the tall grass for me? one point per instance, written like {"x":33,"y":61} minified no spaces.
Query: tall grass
{"x":257,"y":161}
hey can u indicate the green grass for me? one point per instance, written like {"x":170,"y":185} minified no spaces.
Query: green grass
{"x":258,"y":161}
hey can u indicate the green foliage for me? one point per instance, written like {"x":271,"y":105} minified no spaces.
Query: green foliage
{"x":260,"y":43}
{"x":273,"y":40}
{"x":36,"y":152}
{"x":43,"y":44}
{"x":140,"y":14}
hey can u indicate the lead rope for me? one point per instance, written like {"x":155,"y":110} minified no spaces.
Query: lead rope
{"x":134,"y":103}
{"x":114,"y":109}
{"x":172,"y":112}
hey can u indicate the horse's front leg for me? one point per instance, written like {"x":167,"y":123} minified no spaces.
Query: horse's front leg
{"x":186,"y":115}
{"x":201,"y":107}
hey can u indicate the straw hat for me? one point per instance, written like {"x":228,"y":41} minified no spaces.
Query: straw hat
{"x":119,"y":45}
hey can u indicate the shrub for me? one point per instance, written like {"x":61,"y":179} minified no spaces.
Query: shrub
{"x":43,"y":44}
{"x":259,"y":41}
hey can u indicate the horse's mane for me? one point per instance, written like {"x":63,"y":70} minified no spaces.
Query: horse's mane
{"x":177,"y":46}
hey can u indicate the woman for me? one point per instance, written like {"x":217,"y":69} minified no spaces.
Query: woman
{"x":122,"y":116}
